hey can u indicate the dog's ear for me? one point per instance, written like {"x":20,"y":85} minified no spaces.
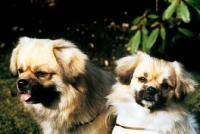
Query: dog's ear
{"x":71,"y":60}
{"x":13,"y":61}
{"x":185,"y":82}
{"x":125,"y":67}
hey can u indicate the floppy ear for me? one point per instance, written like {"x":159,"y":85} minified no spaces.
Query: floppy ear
{"x":13,"y":61}
{"x":126,"y":66}
{"x":185,"y":82}
{"x":71,"y":60}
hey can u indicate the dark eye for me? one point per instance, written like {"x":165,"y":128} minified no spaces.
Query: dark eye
{"x":165,"y":85}
{"x":20,"y":71}
{"x":142,"y":79}
{"x":41,"y":74}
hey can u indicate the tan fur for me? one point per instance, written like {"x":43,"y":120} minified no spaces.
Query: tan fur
{"x":151,"y":94}
{"x":80,"y":106}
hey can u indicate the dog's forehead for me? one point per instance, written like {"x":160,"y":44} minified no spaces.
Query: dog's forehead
{"x":155,"y":67}
{"x":36,"y":54}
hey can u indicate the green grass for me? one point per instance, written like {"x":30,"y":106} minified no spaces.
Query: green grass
{"x":15,"y":120}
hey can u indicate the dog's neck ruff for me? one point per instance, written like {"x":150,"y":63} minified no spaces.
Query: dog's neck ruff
{"x":85,"y":123}
{"x":132,"y":128}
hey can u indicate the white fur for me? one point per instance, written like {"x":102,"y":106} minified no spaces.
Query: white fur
{"x":172,"y":118}
{"x":131,"y":114}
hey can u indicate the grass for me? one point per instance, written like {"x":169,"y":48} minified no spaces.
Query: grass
{"x":14,"y":119}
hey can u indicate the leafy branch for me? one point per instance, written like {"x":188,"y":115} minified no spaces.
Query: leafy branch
{"x":155,"y":27}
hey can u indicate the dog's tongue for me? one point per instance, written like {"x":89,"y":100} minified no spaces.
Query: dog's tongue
{"x":25,"y":97}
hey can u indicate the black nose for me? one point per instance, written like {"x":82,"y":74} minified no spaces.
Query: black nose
{"x":151,"y":90}
{"x":22,"y":83}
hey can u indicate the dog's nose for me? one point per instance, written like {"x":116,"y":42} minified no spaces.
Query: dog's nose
{"x":152,"y":90}
{"x":22,"y":83}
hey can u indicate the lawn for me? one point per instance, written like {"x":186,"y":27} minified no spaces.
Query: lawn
{"x":13,"y":117}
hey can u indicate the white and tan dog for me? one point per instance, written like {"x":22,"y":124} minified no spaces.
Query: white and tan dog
{"x":62,"y":89}
{"x":150,"y":97}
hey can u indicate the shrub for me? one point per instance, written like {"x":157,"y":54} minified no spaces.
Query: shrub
{"x":163,"y":28}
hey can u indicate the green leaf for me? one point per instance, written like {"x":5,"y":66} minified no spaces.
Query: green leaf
{"x":144,"y":43}
{"x":144,"y":21}
{"x":186,"y":32}
{"x":155,"y":24}
{"x":175,"y":38}
{"x":194,"y":3}
{"x":137,"y":20}
{"x":170,"y":10}
{"x":153,"y":16}
{"x":146,"y":11}
{"x":162,"y":32}
{"x":135,"y":41}
{"x":152,"y":37}
{"x":144,"y":30}
{"x":135,"y":27}
{"x":163,"y":46}
{"x":183,"y":12}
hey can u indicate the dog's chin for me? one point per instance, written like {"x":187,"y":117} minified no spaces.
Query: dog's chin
{"x":147,"y":103}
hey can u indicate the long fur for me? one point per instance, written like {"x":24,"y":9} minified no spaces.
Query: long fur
{"x":79,"y":107}
{"x":167,"y":113}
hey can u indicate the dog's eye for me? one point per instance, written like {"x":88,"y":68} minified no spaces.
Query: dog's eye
{"x":165,"y":85}
{"x":142,"y":79}
{"x":20,"y":71}
{"x":41,"y":74}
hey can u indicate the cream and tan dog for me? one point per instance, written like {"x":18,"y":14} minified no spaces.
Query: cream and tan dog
{"x":150,"y":97}
{"x":62,"y":89}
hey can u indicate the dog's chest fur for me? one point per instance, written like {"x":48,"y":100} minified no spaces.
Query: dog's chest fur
{"x":159,"y":122}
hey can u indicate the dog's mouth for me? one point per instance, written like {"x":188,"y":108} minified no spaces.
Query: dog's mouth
{"x":30,"y":91}
{"x":149,"y":98}
{"x":30,"y":98}
{"x":34,"y":92}
{"x":46,"y":96}
{"x":146,"y":101}
{"x":27,"y":98}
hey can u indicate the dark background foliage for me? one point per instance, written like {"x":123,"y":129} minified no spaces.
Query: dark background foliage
{"x":95,"y":26}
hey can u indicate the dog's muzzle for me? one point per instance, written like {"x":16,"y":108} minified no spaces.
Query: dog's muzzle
{"x":149,"y":94}
{"x":150,"y":97}
{"x":34,"y":92}
{"x":151,"y":91}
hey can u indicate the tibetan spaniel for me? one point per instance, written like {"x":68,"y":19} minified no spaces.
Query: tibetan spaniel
{"x":150,"y":97}
{"x":62,"y":89}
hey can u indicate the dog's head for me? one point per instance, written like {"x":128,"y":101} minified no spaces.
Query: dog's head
{"x":154,"y":82}
{"x":43,"y":65}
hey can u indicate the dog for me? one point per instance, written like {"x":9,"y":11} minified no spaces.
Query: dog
{"x":150,"y":97}
{"x":62,"y":89}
